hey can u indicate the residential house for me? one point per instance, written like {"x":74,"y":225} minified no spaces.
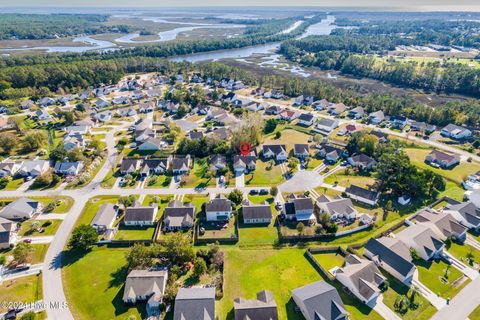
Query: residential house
{"x":8,"y":234}
{"x":299,"y":208}
{"x":33,"y":168}
{"x":330,"y":153}
{"x":120,"y":100}
{"x":288,"y":115}
{"x":242,"y":102}
{"x":218,"y":209}
{"x":130,"y":166}
{"x":442,"y":159}
{"x":455,"y":132}
{"x":229,"y":97}
{"x":443,"y":224}
{"x":467,"y":213}
{"x":256,"y":213}
{"x":195,"y":135}
{"x":362,"y":195}
{"x":146,"y":107}
{"x":144,"y":134}
{"x":393,"y":256}
{"x":197,"y":78}
{"x":221,"y":133}
{"x":257,"y":92}
{"x":337,"y":109}
{"x":308,"y":100}
{"x":181,"y":164}
{"x":376,"y":117}
{"x":306,"y":119}
{"x":68,"y":168}
{"x":104,"y":116}
{"x":320,"y":300}
{"x":195,"y":304}
{"x":218,"y":162}
{"x":102,"y":103}
{"x":105,"y":218}
{"x":74,"y":130}
{"x":348,"y":129}
{"x":170,"y":107}
{"x":9,"y":168}
{"x":362,"y":161}
{"x":145,"y":285}
{"x":26,"y":104}
{"x":275,"y":151}
{"x":244,"y":164}
{"x":301,"y":150}
{"x":42,"y":115}
{"x":422,"y":127}
{"x":154,"y":166}
{"x":127,"y":112}
{"x":273,"y":110}
{"x":88,"y":122}
{"x":398,"y":122}
{"x":73,"y":141}
{"x":257,"y":106}
{"x":276,"y":94}
{"x":262,"y":308}
{"x":140,"y":216}
{"x":47,"y":101}
{"x":339,"y":208}
{"x":178,"y":216}
{"x":320,"y":105}
{"x":382,"y":136}
{"x":423,"y":240}
{"x":356,"y":113}
{"x":154,"y":93}
{"x":20,"y":209}
{"x":298,"y":101}
{"x":138,"y":94}
{"x":152,"y":144}
{"x":362,"y":278}
{"x":326,"y":126}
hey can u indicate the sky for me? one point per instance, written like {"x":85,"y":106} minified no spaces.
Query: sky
{"x":423,"y":5}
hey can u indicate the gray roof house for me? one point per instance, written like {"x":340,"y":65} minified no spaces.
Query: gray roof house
{"x":467,"y":213}
{"x":356,"y":113}
{"x":361,"y":277}
{"x":178,"y":216}
{"x":9,"y":168}
{"x":7,"y":233}
{"x":330,"y":153}
{"x":218,"y":209}
{"x":423,"y":240}
{"x":181,"y":164}
{"x":336,"y":208}
{"x":129,"y":166}
{"x":262,"y":308}
{"x":195,"y":304}
{"x":256,"y":213}
{"x":301,"y":150}
{"x":275,"y":151}
{"x":23,"y":208}
{"x":442,"y":159}
{"x":140,"y":216}
{"x":105,"y":217}
{"x":376,"y":117}
{"x":455,"y":132}
{"x":33,"y":168}
{"x":243,"y":164}
{"x":326,"y":126}
{"x":363,"y":195}
{"x":68,"y":168}
{"x":218,"y":162}
{"x":145,"y":285}
{"x":299,"y":208}
{"x":400,"y":267}
{"x":320,"y":300}
{"x":443,"y":224}
{"x":362,"y":161}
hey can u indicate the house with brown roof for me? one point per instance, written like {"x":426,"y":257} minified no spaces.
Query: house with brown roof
{"x":442,"y":159}
{"x":443,"y":224}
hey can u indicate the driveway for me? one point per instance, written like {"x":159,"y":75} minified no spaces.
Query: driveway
{"x":239,"y":180}
{"x":39,"y":239}
{"x":383,"y":310}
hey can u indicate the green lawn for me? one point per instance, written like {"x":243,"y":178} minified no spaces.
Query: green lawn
{"x":197,"y":200}
{"x":37,"y":255}
{"x":109,"y":179}
{"x":97,"y":294}
{"x":198,"y":175}
{"x":13,"y":184}
{"x":23,"y":289}
{"x":63,"y":203}
{"x":162,"y":181}
{"x":92,"y":206}
{"x":457,"y":174}
{"x":280,"y":271}
{"x":259,"y":234}
{"x":329,"y":260}
{"x":475,"y":314}
{"x":424,"y":310}
{"x":134,"y":233}
{"x":48,"y":230}
{"x":452,"y":190}
{"x":346,"y":180}
{"x":289,"y":137}
{"x":264,"y":175}
{"x":431,"y":274}
{"x":460,"y":251}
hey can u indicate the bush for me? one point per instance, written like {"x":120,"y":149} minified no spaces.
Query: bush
{"x":47,"y":223}
{"x":83,"y":237}
{"x":31,"y":315}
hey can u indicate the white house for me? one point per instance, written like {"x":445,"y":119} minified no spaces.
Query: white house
{"x":218,"y":209}
{"x":275,"y":151}
{"x":455,"y":132}
{"x":20,"y":209}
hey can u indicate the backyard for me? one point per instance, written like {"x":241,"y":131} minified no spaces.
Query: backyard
{"x":23,"y":289}
{"x":345,"y":179}
{"x":329,"y":260}
{"x":259,"y":234}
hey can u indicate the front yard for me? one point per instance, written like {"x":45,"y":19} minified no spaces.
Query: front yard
{"x":465,"y":253}
{"x":48,"y":229}
{"x":345,"y":179}
{"x":23,"y":289}
{"x":440,"y":278}
{"x":200,"y":176}
{"x":265,"y":174}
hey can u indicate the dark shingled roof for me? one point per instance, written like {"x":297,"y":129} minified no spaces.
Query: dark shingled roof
{"x":195,"y":304}
{"x":256,"y":211}
{"x":218,"y":204}
{"x":140,"y":214}
{"x":361,"y":192}
{"x":387,"y":256}
{"x":263,"y":308}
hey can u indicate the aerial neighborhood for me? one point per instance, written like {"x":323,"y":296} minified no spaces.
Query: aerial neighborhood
{"x":188,"y":195}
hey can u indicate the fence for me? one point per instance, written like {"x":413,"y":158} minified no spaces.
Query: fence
{"x":309,"y":255}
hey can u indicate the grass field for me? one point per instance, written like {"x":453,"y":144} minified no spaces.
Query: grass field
{"x":23,"y":289}
{"x":329,"y":260}
{"x":63,"y":203}
{"x":424,"y":311}
{"x":475,"y":314}
{"x":198,"y":175}
{"x":162,"y":181}
{"x":264,"y":175}
{"x":134,"y":233}
{"x":36,"y":256}
{"x":48,"y":230}
{"x":346,"y":180}
{"x":13,"y":184}
{"x":259,"y":234}
{"x":432,"y":274}
{"x":92,"y":206}
{"x":460,"y":251}
{"x":457,"y":174}
{"x":104,"y":281}
{"x":289,"y":137}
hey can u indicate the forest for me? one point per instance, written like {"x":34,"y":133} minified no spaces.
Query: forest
{"x":41,"y":26}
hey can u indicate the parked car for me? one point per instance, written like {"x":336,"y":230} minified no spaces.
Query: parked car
{"x":253,"y":191}
{"x":263,"y":192}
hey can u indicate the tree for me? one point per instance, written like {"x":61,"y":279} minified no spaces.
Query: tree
{"x":178,"y":248}
{"x":292,"y":164}
{"x":127,"y":201}
{"x":8,"y":141}
{"x":236,"y":196}
{"x":31,"y":315}
{"x":300,"y":227}
{"x":44,"y":180}
{"x":3,"y":182}
{"x":139,"y":256}
{"x":35,"y":139}
{"x":3,"y":260}
{"x":16,"y":123}
{"x":274,"y":191}
{"x":278,"y":135}
{"x":199,"y":267}
{"x":470,"y":257}
{"x":401,"y":304}
{"x":270,"y":126}
{"x":21,"y":253}
{"x":83,"y":237}
{"x":414,"y":254}
{"x":59,"y":152}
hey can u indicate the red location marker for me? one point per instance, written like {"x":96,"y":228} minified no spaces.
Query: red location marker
{"x":245,"y":148}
